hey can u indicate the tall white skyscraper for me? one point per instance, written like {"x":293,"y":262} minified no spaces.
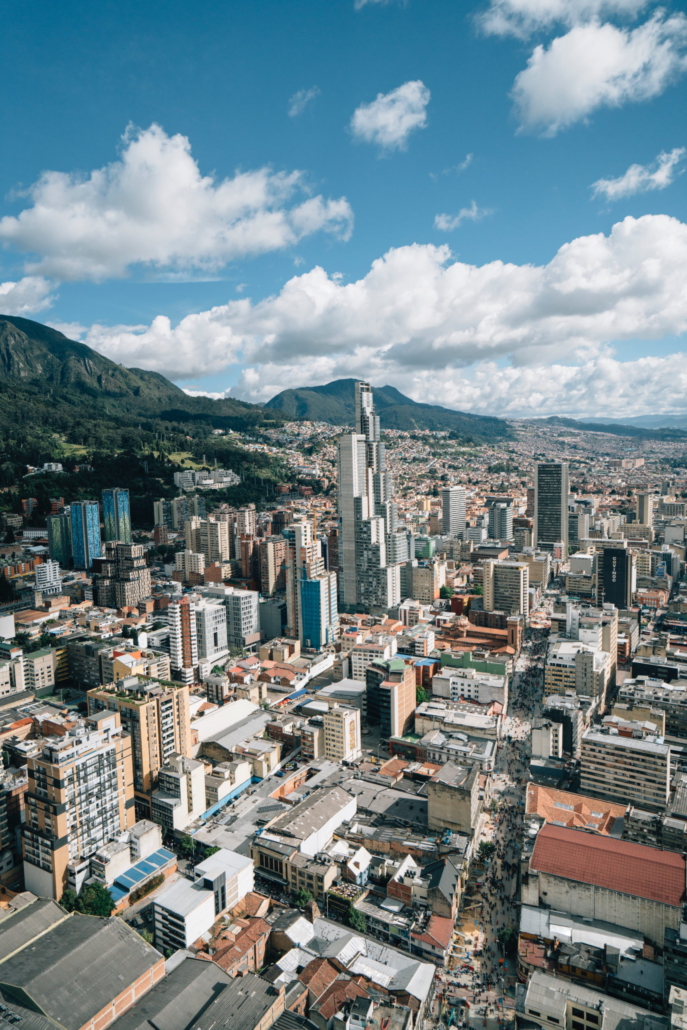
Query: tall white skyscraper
{"x":453,"y":510}
{"x":367,"y":513}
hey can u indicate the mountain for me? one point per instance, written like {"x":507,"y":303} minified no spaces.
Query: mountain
{"x":615,"y":429}
{"x":645,"y":421}
{"x":335,"y":403}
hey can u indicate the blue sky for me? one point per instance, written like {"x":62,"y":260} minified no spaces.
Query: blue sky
{"x":254,"y":194}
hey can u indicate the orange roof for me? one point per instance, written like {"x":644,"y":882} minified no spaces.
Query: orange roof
{"x":318,"y":975}
{"x":572,"y":810}
{"x":615,"y":865}
{"x":438,"y":933}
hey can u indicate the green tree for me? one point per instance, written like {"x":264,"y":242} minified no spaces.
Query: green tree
{"x":302,"y":897}
{"x":446,"y":592}
{"x":485,"y":850}
{"x":69,"y":899}
{"x":217,"y":670}
{"x":95,"y":900}
{"x":420,"y":695}
{"x":508,"y":939}
{"x":147,"y":936}
{"x":357,"y":920}
{"x":186,"y":845}
{"x":477,"y":589}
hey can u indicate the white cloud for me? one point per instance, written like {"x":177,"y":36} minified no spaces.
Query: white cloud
{"x":419,"y":319}
{"x":25,"y":297}
{"x":300,"y":100}
{"x":153,"y":207}
{"x":599,"y":65}
{"x":447,"y":223}
{"x":522,"y":18}
{"x":359,"y":4}
{"x":390,"y":119}
{"x":642,"y":178}
{"x":453,"y":169}
{"x":72,"y":330}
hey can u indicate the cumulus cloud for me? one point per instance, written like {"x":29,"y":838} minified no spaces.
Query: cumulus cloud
{"x":420,"y":318}
{"x":522,"y":18}
{"x":300,"y":100}
{"x":31,"y":294}
{"x":153,"y":207}
{"x":447,"y":223}
{"x":390,"y":119}
{"x":599,"y":65}
{"x":642,"y":178}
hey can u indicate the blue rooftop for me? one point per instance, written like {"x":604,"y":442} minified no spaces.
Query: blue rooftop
{"x":141,"y":871}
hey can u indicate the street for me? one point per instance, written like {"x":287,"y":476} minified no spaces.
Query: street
{"x":475,"y":992}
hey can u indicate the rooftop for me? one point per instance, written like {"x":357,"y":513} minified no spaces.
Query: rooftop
{"x":616,"y":865}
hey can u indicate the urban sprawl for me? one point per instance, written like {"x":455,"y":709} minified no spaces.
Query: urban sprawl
{"x":402,"y":747}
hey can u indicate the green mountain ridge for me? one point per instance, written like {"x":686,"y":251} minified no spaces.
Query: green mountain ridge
{"x":335,"y":403}
{"x":615,"y":428}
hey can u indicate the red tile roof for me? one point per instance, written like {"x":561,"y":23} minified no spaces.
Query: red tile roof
{"x":438,"y":933}
{"x":615,"y":865}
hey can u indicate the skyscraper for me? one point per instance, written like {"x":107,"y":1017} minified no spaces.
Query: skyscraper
{"x":551,"y":505}
{"x":501,"y":520}
{"x":367,"y":513}
{"x":183,"y":640}
{"x":645,"y":509}
{"x":453,"y":510}
{"x":117,"y":515}
{"x":506,"y":587}
{"x":60,"y":538}
{"x":311,"y":591}
{"x":122,"y":577}
{"x":85,"y":522}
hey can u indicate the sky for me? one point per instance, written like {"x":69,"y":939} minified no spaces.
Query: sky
{"x":482,"y":204}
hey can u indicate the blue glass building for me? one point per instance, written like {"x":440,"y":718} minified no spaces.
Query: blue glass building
{"x":117,"y":515}
{"x":319,"y":612}
{"x":60,"y":539}
{"x":85,"y":518}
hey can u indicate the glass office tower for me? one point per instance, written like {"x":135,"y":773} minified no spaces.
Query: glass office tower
{"x":60,"y":539}
{"x":85,"y":518}
{"x":117,"y":515}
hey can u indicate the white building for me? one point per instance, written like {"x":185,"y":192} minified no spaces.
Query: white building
{"x":472,"y":685}
{"x":342,"y":733}
{"x":183,"y":912}
{"x":211,"y":629}
{"x":243,"y":616}
{"x":48,"y":578}
{"x":453,"y":510}
{"x":180,"y":797}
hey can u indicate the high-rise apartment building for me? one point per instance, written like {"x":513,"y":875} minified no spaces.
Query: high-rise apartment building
{"x":189,"y":563}
{"x":645,"y":509}
{"x":551,"y":491}
{"x":391,"y":697}
{"x":60,"y":538}
{"x":85,"y":525}
{"x":501,"y":520}
{"x":243,"y":615}
{"x":122,"y":577}
{"x":342,"y":733}
{"x":157,"y":717}
{"x":183,"y":640}
{"x":453,"y":510}
{"x":117,"y":515}
{"x":208,"y":536}
{"x":506,"y":587}
{"x":311,"y":592}
{"x":211,"y":629}
{"x":48,"y":578}
{"x":80,"y":797}
{"x":272,"y":561}
{"x":367,"y":513}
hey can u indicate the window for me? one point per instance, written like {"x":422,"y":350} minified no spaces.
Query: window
{"x":591,"y":1018}
{"x":533,"y":1012}
{"x":577,"y":1026}
{"x":578,"y":1012}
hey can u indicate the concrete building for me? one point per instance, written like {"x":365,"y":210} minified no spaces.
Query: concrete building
{"x":81,"y":796}
{"x":243,"y":618}
{"x":551,"y":492}
{"x":626,"y":770}
{"x":644,"y":507}
{"x":599,"y":877}
{"x":272,"y":552}
{"x":572,"y":665}
{"x":342,"y":733}
{"x":500,"y":520}
{"x":211,"y":629}
{"x":506,"y":586}
{"x":453,"y":799}
{"x":453,"y":510}
{"x":391,"y":696}
{"x":121,"y":577}
{"x":553,"y":1002}
{"x":40,"y":671}
{"x":157,"y":717}
{"x":183,"y":640}
{"x":190,"y":564}
{"x":180,"y":796}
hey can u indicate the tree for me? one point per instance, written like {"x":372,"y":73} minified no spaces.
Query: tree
{"x":485,"y":850}
{"x":217,"y":670}
{"x":357,"y":920}
{"x":508,"y":939}
{"x":147,"y":936}
{"x":420,"y":695}
{"x":69,"y":899}
{"x":477,"y":589}
{"x":302,"y":897}
{"x":187,"y":845}
{"x":446,"y":592}
{"x":95,"y":900}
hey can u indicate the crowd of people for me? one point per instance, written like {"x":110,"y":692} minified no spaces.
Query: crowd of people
{"x":486,"y":972}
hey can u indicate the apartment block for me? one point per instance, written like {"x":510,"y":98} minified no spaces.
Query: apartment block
{"x":391,"y":696}
{"x":626,"y":770}
{"x":342,"y":733}
{"x":80,"y":796}
{"x":157,"y":717}
{"x":506,"y":587}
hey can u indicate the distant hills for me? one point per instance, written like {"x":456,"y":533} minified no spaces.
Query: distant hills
{"x":616,"y":428}
{"x":335,"y":403}
{"x":646,"y":421}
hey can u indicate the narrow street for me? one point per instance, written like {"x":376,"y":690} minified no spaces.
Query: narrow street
{"x":483,"y":973}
